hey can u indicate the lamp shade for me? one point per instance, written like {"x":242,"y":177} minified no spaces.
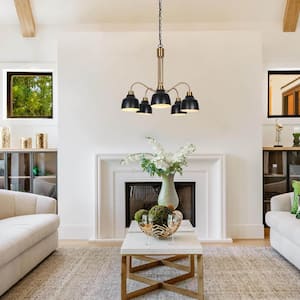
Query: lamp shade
{"x":176,"y":109}
{"x":160,"y":99}
{"x":189,"y":104}
{"x":130,"y":103}
{"x":145,"y":108}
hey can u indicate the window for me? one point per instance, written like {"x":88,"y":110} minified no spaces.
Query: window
{"x":284,"y":93}
{"x":29,"y":95}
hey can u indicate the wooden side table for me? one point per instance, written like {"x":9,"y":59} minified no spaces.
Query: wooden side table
{"x":184,"y":244}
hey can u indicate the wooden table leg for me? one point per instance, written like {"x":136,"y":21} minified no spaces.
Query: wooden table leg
{"x":129,"y":264}
{"x":124,"y":278}
{"x":192,"y":264}
{"x":200,"y":276}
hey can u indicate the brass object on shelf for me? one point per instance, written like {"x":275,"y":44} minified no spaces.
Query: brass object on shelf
{"x":26,"y":143}
{"x":42,"y":141}
{"x":5,"y":137}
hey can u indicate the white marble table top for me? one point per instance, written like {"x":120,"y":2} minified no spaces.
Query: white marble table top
{"x":138,"y":243}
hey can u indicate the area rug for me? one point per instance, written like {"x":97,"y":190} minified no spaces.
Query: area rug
{"x":94,"y":273}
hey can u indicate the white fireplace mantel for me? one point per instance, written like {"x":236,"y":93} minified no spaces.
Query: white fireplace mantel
{"x":206,"y":170}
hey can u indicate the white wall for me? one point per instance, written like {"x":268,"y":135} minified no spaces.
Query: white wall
{"x":32,"y":54}
{"x":228,"y":73}
{"x":95,"y":71}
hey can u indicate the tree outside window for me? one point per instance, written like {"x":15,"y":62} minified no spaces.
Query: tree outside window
{"x":29,"y":95}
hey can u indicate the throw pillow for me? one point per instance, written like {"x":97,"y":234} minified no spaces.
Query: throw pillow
{"x":296,"y":187}
{"x":298,"y":211}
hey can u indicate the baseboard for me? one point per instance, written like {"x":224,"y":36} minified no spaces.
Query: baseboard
{"x":74,"y":232}
{"x":246,"y":231}
{"x":118,"y":242}
{"x":236,"y":231}
{"x":107,"y":242}
{"x":219,"y":241}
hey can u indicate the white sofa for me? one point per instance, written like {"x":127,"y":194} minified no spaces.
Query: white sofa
{"x":284,"y":228}
{"x":28,"y":234}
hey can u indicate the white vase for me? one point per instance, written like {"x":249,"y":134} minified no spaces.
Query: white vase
{"x":168,"y":195}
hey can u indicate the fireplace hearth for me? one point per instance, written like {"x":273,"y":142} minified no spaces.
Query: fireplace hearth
{"x":144,"y":195}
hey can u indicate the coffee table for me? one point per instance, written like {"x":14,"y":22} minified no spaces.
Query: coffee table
{"x":184,"y":244}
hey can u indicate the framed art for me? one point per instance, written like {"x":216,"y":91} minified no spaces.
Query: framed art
{"x":283,"y":94}
{"x":29,"y":95}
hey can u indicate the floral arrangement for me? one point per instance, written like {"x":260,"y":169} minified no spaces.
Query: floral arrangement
{"x":160,"y":162}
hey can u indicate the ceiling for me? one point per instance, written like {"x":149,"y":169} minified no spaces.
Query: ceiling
{"x":245,"y":13}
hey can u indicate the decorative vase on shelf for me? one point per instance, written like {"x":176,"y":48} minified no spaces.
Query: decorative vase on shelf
{"x":168,"y":195}
{"x":41,"y":141}
{"x":5,"y":137}
{"x":296,"y":141}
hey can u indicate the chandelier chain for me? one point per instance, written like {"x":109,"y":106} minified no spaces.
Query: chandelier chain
{"x":160,"y":23}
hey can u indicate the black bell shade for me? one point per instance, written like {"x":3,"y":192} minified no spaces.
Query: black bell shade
{"x":160,"y":99}
{"x":130,"y":103}
{"x":176,"y":109}
{"x":145,"y":107}
{"x":189,"y":104}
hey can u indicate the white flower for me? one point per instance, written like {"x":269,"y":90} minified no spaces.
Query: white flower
{"x":161,"y":162}
{"x":180,"y":156}
{"x":135,"y":157}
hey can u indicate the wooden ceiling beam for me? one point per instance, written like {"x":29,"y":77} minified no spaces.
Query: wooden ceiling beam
{"x":291,"y":15}
{"x":24,"y":12}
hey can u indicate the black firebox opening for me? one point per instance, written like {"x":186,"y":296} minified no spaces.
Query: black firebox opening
{"x":145,"y":194}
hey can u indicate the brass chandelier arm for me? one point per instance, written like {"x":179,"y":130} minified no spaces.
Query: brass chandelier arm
{"x":181,"y":83}
{"x":146,"y":91}
{"x":174,"y":89}
{"x":142,"y":84}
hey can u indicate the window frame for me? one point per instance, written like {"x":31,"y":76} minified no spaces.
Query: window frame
{"x":9,"y":108}
{"x":284,"y":105}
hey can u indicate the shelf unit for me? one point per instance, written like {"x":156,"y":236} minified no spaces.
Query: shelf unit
{"x":281,"y":165}
{"x":29,"y":170}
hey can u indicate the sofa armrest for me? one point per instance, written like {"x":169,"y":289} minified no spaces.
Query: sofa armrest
{"x":282,"y":202}
{"x":45,"y":205}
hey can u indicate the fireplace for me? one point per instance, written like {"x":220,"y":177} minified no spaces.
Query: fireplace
{"x":207,"y":171}
{"x":144,"y":195}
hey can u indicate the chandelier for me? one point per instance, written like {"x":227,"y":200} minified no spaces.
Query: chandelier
{"x":160,"y":98}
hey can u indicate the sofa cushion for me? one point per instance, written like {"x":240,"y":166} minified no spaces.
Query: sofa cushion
{"x":284,"y":223}
{"x":22,"y":232}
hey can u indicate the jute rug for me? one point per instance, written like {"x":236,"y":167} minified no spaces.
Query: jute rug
{"x":94,"y":273}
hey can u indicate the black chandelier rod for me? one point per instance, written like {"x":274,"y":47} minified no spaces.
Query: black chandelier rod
{"x":160,"y":45}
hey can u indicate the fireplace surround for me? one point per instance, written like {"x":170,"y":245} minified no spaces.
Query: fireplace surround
{"x":206,"y":170}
